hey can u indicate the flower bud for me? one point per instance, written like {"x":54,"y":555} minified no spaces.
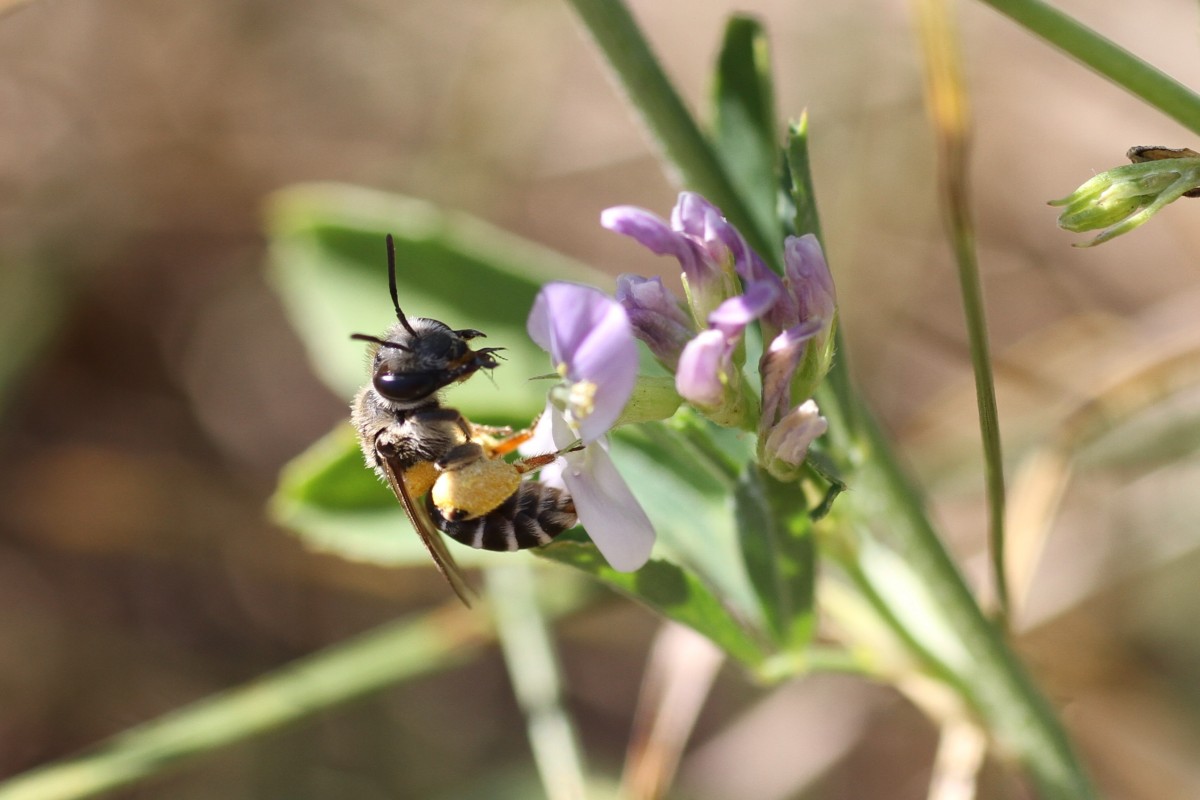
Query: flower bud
{"x":786,"y":445}
{"x":1123,"y":198}
{"x":656,"y":317}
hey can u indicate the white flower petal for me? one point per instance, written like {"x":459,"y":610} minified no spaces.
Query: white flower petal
{"x":607,"y":508}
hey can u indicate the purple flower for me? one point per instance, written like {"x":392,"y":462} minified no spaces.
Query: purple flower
{"x":807,"y":285}
{"x":796,"y":311}
{"x":801,"y":330}
{"x":591,"y":344}
{"x":778,"y":368}
{"x":784,"y":449}
{"x":708,"y":374}
{"x":710,"y":251}
{"x":656,"y":317}
{"x":808,"y":278}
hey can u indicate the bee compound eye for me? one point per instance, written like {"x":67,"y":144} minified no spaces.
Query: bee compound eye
{"x":405,"y":386}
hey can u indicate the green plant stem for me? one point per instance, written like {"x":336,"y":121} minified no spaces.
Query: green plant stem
{"x":651,"y":92}
{"x":1106,"y":58}
{"x":537,"y":681}
{"x":373,"y":661}
{"x":998,"y":687}
{"x":1010,"y":704}
{"x":946,"y":98}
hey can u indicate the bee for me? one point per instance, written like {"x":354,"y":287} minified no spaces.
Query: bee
{"x":1144,"y":153}
{"x":420,"y":447}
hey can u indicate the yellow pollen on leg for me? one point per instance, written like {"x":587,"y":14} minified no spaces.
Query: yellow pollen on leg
{"x":420,"y":477}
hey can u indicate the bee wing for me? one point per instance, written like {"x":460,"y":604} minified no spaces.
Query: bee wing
{"x":430,"y":537}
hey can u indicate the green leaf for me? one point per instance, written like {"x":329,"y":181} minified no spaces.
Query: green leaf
{"x":744,"y":119}
{"x":686,"y":497}
{"x":779,"y":552}
{"x":800,"y":180}
{"x":674,"y":591}
{"x":329,"y":266}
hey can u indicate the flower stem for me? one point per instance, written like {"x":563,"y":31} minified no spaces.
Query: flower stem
{"x":1000,"y":689}
{"x":946,"y":99}
{"x":1105,"y":57}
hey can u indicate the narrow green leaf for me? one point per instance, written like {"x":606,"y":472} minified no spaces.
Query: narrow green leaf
{"x":800,"y":180}
{"x":687,"y":502}
{"x":675,"y":592}
{"x":744,"y":118}
{"x":389,"y":655}
{"x":330,"y":268}
{"x":668,"y":119}
{"x":837,"y":397}
{"x":1106,"y":58}
{"x":777,"y":546}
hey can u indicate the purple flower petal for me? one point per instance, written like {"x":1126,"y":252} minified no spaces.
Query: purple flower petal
{"x":589,"y":338}
{"x":656,"y":317}
{"x":653,"y":232}
{"x":808,"y":278}
{"x":698,"y":379}
{"x":691,"y":213}
{"x":778,"y":366}
{"x":705,"y":244}
{"x":698,"y":218}
{"x":787,"y":444}
{"x":733,"y":315}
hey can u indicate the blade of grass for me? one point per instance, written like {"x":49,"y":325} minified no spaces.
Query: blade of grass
{"x":1106,"y":58}
{"x":393,"y":653}
{"x":672,"y":126}
{"x":998,"y":686}
{"x":946,"y":99}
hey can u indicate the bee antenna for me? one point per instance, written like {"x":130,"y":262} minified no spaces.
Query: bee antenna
{"x":391,"y":252}
{"x":366,"y":337}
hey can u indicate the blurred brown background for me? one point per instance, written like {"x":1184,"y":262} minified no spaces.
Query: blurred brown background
{"x":150,"y":388}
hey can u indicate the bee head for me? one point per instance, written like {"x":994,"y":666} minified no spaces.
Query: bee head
{"x":417,"y":358}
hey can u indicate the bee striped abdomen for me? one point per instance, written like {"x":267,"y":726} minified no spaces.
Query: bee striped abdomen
{"x":532,"y":516}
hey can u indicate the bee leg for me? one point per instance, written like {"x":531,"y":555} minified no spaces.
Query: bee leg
{"x":460,"y":456}
{"x":531,"y":463}
{"x":511,"y":442}
{"x":495,"y":431}
{"x":387,"y":445}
